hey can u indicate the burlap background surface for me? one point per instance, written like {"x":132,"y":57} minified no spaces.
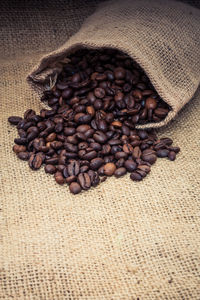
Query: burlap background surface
{"x":121,"y":240}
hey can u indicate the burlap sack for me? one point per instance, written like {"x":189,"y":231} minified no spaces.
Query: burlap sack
{"x":162,"y":36}
{"x":121,"y":240}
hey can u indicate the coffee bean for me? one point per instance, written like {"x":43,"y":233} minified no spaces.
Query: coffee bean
{"x":109,"y":169}
{"x":19,"y":148}
{"x":120,"y":172}
{"x":35,"y":161}
{"x":14,"y":120}
{"x":96,"y":163}
{"x":119,"y":73}
{"x":59,"y":177}
{"x":94,"y":178}
{"x":135,"y":176}
{"x":100,"y":137}
{"x":75,"y":188}
{"x":149,"y":156}
{"x":172,"y":155}
{"x":99,"y":92}
{"x":130,"y":165}
{"x":51,"y":169}
{"x":71,"y":179}
{"x":162,"y":152}
{"x":73,"y":168}
{"x":144,"y":168}
{"x":84,"y":181}
{"x":136,"y":152}
{"x":23,"y":155}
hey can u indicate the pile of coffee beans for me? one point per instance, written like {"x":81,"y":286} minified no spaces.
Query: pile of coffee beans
{"x":89,"y":133}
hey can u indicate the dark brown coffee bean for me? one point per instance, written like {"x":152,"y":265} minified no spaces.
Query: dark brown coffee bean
{"x":52,"y":161}
{"x":96,"y":163}
{"x":128,"y":148}
{"x":67,"y":93}
{"x":20,"y":141}
{"x":100,"y":137}
{"x":50,"y":169}
{"x":141,"y":173}
{"x":175,"y":149}
{"x":99,"y":92}
{"x":172,"y":155}
{"x":14,"y":120}
{"x":120,"y":163}
{"x":90,"y":155}
{"x":144,"y":168}
{"x":149,"y":156}
{"x":51,"y":137}
{"x":136,"y":152}
{"x":84,"y":181}
{"x":121,"y":154}
{"x":83,"y":128}
{"x":162,"y":152}
{"x":130,"y":165}
{"x":109,"y":169}
{"x":69,"y":131}
{"x":19,"y":148}
{"x":120,"y":172}
{"x":29,"y":113}
{"x":161,"y":112}
{"x":70,"y":147}
{"x":135,"y":176}
{"x":71,"y":179}
{"x":166,"y":141}
{"x":119,"y":73}
{"x":94,"y":178}
{"x":151,"y":103}
{"x":75,"y":188}
{"x":59,"y":177}
{"x":73,"y":168}
{"x":35,"y":161}
{"x":23,"y":155}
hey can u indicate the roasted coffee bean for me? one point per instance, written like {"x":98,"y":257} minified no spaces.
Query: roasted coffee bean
{"x":121,"y":154}
{"x":14,"y":120}
{"x":136,"y":176}
{"x":20,"y":141}
{"x":71,"y":179}
{"x":109,"y":169}
{"x":69,"y":131}
{"x":136,"y":152}
{"x":35,"y":161}
{"x":130,"y":165}
{"x":73,"y":168}
{"x":120,"y":163}
{"x":51,"y":169}
{"x":19,"y":148}
{"x":59,"y":177}
{"x":23,"y":155}
{"x":99,"y":92}
{"x":128,"y":148}
{"x":84,"y":181}
{"x":90,"y":155}
{"x":120,"y":172}
{"x":144,"y":168}
{"x":83,"y":128}
{"x":96,"y":163}
{"x":52,"y":161}
{"x":94,"y":178}
{"x":172,"y":155}
{"x":75,"y":188}
{"x":162,"y":152}
{"x":141,"y":172}
{"x":149,"y":156}
{"x":100,"y":137}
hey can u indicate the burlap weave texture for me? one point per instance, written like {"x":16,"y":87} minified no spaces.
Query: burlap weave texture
{"x":121,"y":240}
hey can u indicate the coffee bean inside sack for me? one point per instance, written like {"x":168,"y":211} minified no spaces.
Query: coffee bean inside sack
{"x":89,"y":133}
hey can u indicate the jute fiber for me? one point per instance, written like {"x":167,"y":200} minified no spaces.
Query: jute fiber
{"x":121,"y":240}
{"x":162,"y":36}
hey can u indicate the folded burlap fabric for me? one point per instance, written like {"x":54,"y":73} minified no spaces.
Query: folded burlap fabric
{"x":162,"y":36}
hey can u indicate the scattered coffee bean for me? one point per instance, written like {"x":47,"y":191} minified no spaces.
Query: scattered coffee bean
{"x":89,"y":131}
{"x":74,"y":188}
